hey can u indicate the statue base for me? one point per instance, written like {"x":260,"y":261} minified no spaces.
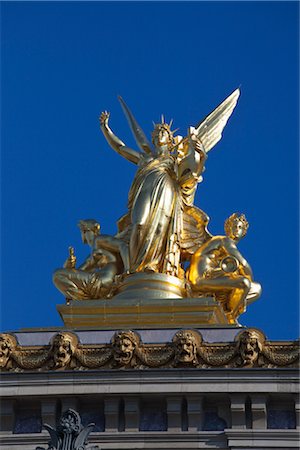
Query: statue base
{"x":155,"y":313}
{"x":148,"y":285}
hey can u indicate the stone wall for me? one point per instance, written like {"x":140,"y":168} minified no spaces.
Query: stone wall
{"x":156,"y":409}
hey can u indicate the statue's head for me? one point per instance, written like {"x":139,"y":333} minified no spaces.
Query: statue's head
{"x":250,"y":344}
{"x":89,"y":228}
{"x":63,"y":346}
{"x":236,"y":226}
{"x":7,"y":344}
{"x":124,"y":344}
{"x":162,"y":135}
{"x":186,"y":344}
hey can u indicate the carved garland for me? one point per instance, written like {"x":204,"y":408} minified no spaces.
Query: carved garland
{"x":126,"y":350}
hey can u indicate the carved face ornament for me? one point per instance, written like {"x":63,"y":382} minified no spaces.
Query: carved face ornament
{"x":186,"y":350}
{"x":63,"y":350}
{"x":250,"y":347}
{"x":6,"y":347}
{"x":123,"y":349}
{"x":186,"y":347}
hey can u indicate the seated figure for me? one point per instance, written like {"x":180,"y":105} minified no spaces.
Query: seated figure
{"x":217,"y":268}
{"x":95,"y":277}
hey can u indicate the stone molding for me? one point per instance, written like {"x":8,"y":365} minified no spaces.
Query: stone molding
{"x":126,"y":350}
{"x":223,"y":440}
{"x":260,"y":439}
{"x":161,"y":381}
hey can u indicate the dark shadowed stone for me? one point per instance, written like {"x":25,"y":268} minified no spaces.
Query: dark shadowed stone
{"x":281,"y":419}
{"x":95,"y":417}
{"x":153,"y":417}
{"x":212,"y":422}
{"x":28,"y":422}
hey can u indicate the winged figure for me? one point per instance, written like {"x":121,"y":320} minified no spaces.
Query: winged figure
{"x":162,"y":224}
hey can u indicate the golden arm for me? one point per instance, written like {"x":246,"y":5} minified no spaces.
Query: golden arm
{"x":116,"y":143}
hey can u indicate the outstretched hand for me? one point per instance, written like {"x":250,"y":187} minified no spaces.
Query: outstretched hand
{"x":104,"y":118}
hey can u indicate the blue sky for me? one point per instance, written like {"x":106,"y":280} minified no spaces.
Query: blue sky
{"x":65,"y":62}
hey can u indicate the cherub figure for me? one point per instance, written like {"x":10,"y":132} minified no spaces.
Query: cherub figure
{"x":218,"y":268}
{"x":95,"y":277}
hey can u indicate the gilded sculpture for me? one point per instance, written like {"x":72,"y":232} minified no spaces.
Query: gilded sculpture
{"x":95,"y":276}
{"x":163,"y":248}
{"x":218,"y":268}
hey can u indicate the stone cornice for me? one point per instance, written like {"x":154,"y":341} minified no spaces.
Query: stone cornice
{"x":126,"y":350}
{"x":166,"y":381}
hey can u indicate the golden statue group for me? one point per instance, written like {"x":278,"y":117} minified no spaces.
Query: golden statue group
{"x":163,"y":249}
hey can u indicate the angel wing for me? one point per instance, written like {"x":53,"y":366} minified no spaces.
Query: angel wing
{"x":194,"y":232}
{"x":209,"y":130}
{"x":137,"y":131}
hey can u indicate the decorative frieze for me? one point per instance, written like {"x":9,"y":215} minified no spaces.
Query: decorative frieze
{"x":126,"y":350}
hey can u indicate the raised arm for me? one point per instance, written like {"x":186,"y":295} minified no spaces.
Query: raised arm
{"x":116,"y":143}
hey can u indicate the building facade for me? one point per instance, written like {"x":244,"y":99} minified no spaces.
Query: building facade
{"x":209,"y":388}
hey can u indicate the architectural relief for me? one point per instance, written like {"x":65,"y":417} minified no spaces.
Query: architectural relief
{"x":187,"y":343}
{"x":127,"y":351}
{"x":70,"y":434}
{"x":63,"y":348}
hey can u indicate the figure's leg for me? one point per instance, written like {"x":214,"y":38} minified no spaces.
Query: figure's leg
{"x":150,"y":217}
{"x":237,"y":298}
{"x":254,"y":292}
{"x":76,"y":284}
{"x":236,"y":290}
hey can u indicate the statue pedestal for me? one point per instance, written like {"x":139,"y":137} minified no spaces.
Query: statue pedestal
{"x":155,"y":313}
{"x":145,"y":301}
{"x":150,"y":286}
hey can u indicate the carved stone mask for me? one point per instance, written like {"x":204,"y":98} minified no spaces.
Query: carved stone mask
{"x":250,"y":345}
{"x":186,"y":346}
{"x":7,"y":344}
{"x":123,"y":346}
{"x":63,"y":348}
